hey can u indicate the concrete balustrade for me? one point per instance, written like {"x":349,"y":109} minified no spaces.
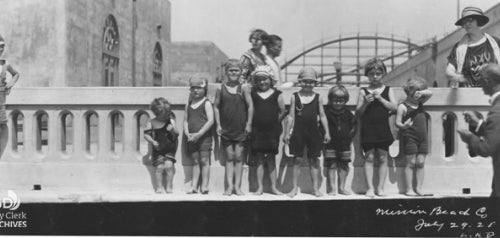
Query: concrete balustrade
{"x":109,"y":154}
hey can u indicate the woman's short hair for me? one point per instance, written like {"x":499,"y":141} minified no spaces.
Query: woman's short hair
{"x":258,"y":32}
{"x":270,"y":40}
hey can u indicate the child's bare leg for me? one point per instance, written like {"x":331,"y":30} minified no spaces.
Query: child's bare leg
{"x":295,"y":181}
{"x":159,"y":178}
{"x":205,"y":172}
{"x":420,"y":173}
{"x":260,"y":173}
{"x":368,"y":166}
{"x":229,"y":171}
{"x":343,"y":171}
{"x":4,"y":137}
{"x":196,"y":172}
{"x":382,"y":171}
{"x":410,"y":167}
{"x":169,"y":165}
{"x":271,"y":165}
{"x":315,"y":172}
{"x":331,"y":179}
{"x":238,"y":168}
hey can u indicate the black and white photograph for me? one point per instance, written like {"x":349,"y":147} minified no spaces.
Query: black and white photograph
{"x":333,"y":118}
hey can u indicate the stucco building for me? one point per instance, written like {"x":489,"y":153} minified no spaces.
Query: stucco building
{"x":88,"y":43}
{"x":203,"y":58}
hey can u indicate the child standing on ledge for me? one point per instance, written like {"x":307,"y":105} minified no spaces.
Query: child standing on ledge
{"x":303,"y":118}
{"x":233,"y":114}
{"x":5,"y":88}
{"x":411,"y":119}
{"x":269,"y":109}
{"x":337,"y":153}
{"x":198,"y":122}
{"x":162,"y":134}
{"x":375,"y":102}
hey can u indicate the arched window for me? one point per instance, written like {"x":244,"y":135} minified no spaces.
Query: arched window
{"x":110,"y":52}
{"x":157,"y":65}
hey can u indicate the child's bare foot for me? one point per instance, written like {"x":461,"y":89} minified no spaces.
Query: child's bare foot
{"x":370,"y":193}
{"x":192,"y":191}
{"x":381,"y":193}
{"x":239,"y":192}
{"x":419,"y":192}
{"x":410,"y":193}
{"x":258,"y":192}
{"x":317,"y":193}
{"x":276,"y":191}
{"x":292,"y":193}
{"x":344,"y":192}
{"x":168,"y":190}
{"x":332,"y":193}
{"x":228,"y":192}
{"x":159,"y":191}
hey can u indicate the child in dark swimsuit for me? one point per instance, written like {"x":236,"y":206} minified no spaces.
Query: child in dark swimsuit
{"x":162,"y":134}
{"x":375,"y":102}
{"x":412,"y":120}
{"x":303,"y":118}
{"x":269,"y":109}
{"x":198,"y":122}
{"x":233,"y":114}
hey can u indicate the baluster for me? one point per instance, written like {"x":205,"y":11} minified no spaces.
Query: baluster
{"x":79,"y":152}
{"x":103,"y":150}
{"x":129,"y":131}
{"x":53,"y":135}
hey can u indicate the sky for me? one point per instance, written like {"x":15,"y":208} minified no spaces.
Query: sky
{"x":302,"y":23}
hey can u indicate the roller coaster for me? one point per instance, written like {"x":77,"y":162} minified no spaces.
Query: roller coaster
{"x":349,"y":53}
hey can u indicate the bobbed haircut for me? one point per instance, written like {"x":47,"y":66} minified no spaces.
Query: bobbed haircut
{"x":158,"y":103}
{"x":375,"y":63}
{"x":270,"y":40}
{"x":257,"y":32}
{"x":338,"y":91}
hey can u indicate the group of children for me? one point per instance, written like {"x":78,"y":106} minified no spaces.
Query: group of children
{"x":248,"y":119}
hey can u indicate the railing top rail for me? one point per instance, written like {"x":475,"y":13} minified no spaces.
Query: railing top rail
{"x":119,"y":96}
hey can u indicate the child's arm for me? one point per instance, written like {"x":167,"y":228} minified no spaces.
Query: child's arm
{"x":363,"y":101}
{"x":391,"y":105}
{"x":248,"y":99}
{"x":324,"y":121}
{"x":281,"y":104}
{"x":13,"y":81}
{"x":209,"y":110}
{"x":354,"y":121}
{"x":148,"y":134}
{"x":401,"y":112}
{"x":186,"y":127}
{"x":216,"y":110}
{"x":173,"y":127}
{"x":423,"y":95}
{"x":290,"y":121}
